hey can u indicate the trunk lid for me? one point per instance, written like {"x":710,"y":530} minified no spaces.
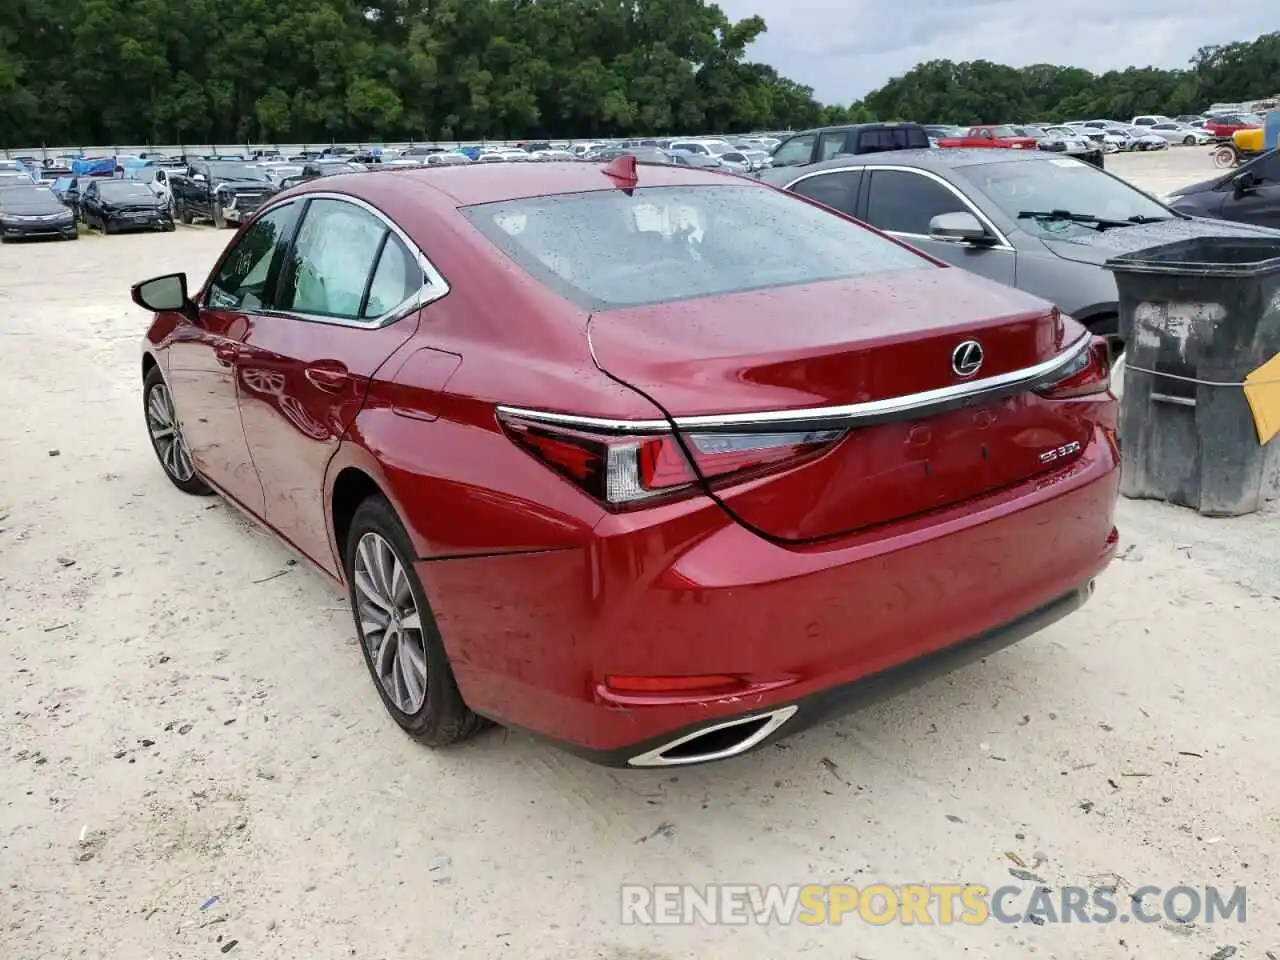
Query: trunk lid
{"x":854,"y":341}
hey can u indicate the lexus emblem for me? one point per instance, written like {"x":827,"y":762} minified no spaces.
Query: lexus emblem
{"x":966,"y":358}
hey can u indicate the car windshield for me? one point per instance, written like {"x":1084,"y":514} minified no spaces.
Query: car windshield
{"x":29,"y":197}
{"x":237,"y":171}
{"x":604,"y":249}
{"x":124,"y":190}
{"x":1060,"y":186}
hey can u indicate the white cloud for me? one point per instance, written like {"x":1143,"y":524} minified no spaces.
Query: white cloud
{"x":846,"y":48}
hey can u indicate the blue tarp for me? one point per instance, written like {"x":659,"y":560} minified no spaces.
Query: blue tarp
{"x":94,"y":167}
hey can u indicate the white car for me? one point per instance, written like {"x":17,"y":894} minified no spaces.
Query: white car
{"x":1181,"y":133}
{"x":1150,"y":120}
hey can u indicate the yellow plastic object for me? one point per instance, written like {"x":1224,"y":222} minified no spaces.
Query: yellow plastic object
{"x":1248,"y":141}
{"x":1262,"y":390}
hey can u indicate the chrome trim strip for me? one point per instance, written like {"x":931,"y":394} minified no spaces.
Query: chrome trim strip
{"x":847,"y":415}
{"x":655,"y":758}
{"x":434,"y":287}
{"x":929,"y":174}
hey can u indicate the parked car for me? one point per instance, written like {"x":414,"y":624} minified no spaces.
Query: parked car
{"x":34,"y":211}
{"x":702,"y":161}
{"x":1222,"y":126}
{"x":641,"y":520}
{"x":224,"y":192}
{"x":824,"y":143}
{"x":1041,"y":223}
{"x":1073,"y":143}
{"x":157,"y":178}
{"x":645,"y":155}
{"x":988,"y":136}
{"x":1248,"y":194}
{"x":14,"y":178}
{"x":1180,"y":133}
{"x":316,"y":169}
{"x":1150,"y":120}
{"x":15,"y":168}
{"x":116,"y":206}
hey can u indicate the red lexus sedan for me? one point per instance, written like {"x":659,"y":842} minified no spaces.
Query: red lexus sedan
{"x":657,"y":462}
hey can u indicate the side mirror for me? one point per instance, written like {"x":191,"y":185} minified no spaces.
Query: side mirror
{"x":167,"y":293}
{"x":1244,"y":182}
{"x":198,"y":177}
{"x":958,"y":227}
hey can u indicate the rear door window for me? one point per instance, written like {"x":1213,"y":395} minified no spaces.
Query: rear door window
{"x":332,"y":260}
{"x":831,"y":143}
{"x":838,"y":190}
{"x":903,"y":201}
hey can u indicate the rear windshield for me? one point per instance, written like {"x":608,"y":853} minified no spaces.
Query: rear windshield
{"x":603,"y":249}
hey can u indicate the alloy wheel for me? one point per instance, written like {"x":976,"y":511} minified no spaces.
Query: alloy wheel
{"x":162,"y":422}
{"x":390,"y":623}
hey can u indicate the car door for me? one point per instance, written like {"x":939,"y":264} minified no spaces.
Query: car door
{"x":1258,"y":203}
{"x":202,"y":356}
{"x":902,"y":200}
{"x":837,"y":189}
{"x":348,"y":298}
{"x":90,"y":202}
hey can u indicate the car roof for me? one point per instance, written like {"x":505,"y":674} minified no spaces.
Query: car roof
{"x":931,"y":159}
{"x":470,"y":183}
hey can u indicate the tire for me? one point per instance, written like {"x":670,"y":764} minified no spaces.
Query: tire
{"x":1188,"y":141}
{"x":106,"y":225}
{"x":183,"y":214}
{"x":180,"y":471}
{"x":1225,"y":157}
{"x":441,"y":717}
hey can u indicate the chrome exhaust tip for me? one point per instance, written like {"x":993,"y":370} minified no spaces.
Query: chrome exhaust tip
{"x":718,"y":741}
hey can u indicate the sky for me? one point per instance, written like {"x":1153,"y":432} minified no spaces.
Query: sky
{"x":846,"y":48}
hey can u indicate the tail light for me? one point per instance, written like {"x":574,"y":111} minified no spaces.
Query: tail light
{"x":636,"y":470}
{"x":1089,"y":373}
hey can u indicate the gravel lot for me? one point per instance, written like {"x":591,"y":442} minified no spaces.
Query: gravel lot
{"x":179,"y":724}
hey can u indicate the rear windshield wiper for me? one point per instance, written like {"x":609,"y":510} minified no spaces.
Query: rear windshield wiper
{"x":1102,"y":223}
{"x":1142,"y":219}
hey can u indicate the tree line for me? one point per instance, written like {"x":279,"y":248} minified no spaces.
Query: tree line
{"x":984,"y":92}
{"x":232,"y":71}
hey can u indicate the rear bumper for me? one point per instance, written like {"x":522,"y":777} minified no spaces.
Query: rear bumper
{"x":685,"y":591}
{"x":834,"y":702}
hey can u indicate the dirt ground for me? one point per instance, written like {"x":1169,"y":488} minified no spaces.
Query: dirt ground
{"x":186,"y":716}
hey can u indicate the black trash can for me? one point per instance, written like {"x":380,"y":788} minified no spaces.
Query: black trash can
{"x":1197,"y":317}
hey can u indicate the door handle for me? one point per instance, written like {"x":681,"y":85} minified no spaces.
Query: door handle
{"x":225,"y":353}
{"x":329,"y":377}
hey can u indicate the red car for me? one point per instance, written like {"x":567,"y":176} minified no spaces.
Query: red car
{"x":1224,"y":125}
{"x":998,"y":136}
{"x":659,"y":463}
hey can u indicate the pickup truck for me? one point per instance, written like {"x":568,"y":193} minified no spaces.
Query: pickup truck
{"x":999,"y":136}
{"x":222,"y":191}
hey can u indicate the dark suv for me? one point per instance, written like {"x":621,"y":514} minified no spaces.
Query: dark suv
{"x":824,"y":143}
